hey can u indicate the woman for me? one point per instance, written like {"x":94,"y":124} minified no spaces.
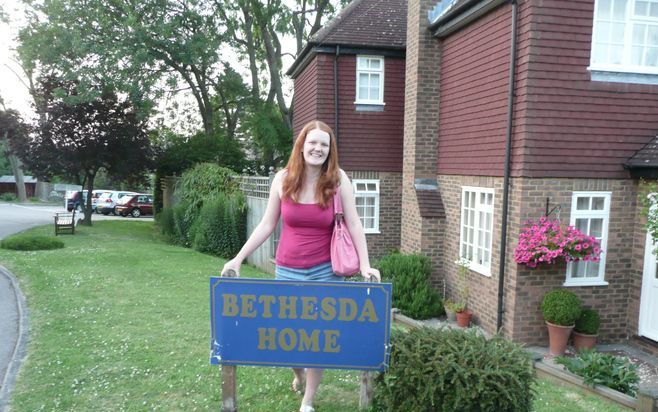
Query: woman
{"x":302,"y":194}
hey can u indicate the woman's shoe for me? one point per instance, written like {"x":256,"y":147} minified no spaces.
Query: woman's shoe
{"x":306,"y":408}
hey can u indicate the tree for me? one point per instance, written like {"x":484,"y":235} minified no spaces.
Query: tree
{"x":78,"y":139}
{"x":12,"y":127}
{"x":144,"y":49}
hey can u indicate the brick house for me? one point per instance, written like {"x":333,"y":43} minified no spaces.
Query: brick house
{"x":541,"y":98}
{"x":351,"y":76}
{"x":514,"y":109}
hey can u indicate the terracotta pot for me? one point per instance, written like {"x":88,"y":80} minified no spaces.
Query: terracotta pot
{"x":583,"y":341}
{"x":558,"y":337}
{"x":464,"y":318}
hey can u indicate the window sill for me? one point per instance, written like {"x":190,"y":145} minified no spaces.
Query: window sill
{"x":572,"y":284}
{"x":619,"y":76}
{"x":484,"y":271}
{"x":372,"y":232}
{"x":369,"y":107}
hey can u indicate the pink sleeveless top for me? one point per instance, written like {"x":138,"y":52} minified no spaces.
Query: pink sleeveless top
{"x":306,"y":235}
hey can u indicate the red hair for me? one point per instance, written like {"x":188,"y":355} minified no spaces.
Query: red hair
{"x":329,"y":175}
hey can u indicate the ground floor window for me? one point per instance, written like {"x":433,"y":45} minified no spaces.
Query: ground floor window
{"x":476,"y":228}
{"x":590,"y":213}
{"x":366,"y":195}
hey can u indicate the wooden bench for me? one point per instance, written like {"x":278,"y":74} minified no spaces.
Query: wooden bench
{"x":65,"y":222}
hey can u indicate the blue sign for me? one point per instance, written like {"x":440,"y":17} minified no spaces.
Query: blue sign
{"x":340,"y":325}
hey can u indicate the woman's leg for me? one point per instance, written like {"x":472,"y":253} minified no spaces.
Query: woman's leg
{"x":298,"y":382}
{"x":313,"y":379}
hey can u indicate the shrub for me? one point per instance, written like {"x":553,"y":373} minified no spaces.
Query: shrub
{"x":588,"y":323}
{"x":221,"y":226}
{"x":8,"y":197}
{"x":603,"y":369}
{"x":185,"y":216}
{"x":31,"y":242}
{"x":204,"y":181}
{"x":166,"y":222}
{"x":561,"y":307}
{"x":454,"y":370}
{"x":412,"y":293}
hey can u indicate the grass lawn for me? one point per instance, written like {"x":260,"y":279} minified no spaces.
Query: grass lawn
{"x":120,"y":322}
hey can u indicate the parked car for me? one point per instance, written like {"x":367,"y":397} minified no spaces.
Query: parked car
{"x":107,"y":202}
{"x":135,"y":205}
{"x":96,"y":194}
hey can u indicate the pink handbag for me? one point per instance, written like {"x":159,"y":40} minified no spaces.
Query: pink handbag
{"x":344,"y":260}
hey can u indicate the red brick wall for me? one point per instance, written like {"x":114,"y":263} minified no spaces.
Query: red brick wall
{"x":305,"y":97}
{"x":576,"y":127}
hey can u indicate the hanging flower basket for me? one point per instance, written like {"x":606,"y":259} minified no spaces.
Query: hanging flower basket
{"x":547,"y":241}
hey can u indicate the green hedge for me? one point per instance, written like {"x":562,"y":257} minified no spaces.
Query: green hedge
{"x":454,"y":370}
{"x":221,"y":226}
{"x":412,"y":293}
{"x":31,"y":242}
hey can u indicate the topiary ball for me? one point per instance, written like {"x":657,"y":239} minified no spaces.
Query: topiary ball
{"x":561,"y":307}
{"x":588,"y":323}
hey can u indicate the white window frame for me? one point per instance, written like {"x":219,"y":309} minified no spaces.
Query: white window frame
{"x":629,"y":21}
{"x":359,"y":99}
{"x":591,"y":214}
{"x":476,"y":264}
{"x":368,"y":194}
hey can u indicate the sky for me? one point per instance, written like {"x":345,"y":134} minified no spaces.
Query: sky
{"x":14,"y":92}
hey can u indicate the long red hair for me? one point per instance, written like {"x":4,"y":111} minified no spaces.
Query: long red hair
{"x":329,"y":176}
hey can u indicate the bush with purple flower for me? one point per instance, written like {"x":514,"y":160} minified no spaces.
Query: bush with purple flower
{"x":547,"y":241}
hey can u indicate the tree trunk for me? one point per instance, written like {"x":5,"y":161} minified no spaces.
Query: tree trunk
{"x":87,"y":208}
{"x":17,"y":170}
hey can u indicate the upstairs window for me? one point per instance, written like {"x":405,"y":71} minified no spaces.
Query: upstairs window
{"x":625,"y":36}
{"x":366,"y":196}
{"x":369,"y":80}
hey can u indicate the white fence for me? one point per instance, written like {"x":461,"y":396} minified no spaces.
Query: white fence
{"x":257,"y":190}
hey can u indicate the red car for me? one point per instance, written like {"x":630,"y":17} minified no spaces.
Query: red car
{"x":135,"y":205}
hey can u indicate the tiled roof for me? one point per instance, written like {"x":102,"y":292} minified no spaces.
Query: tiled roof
{"x":367,"y":23}
{"x":645,"y":157}
{"x":430,"y":203}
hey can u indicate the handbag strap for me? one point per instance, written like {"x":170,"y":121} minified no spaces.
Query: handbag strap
{"x":338,"y":205}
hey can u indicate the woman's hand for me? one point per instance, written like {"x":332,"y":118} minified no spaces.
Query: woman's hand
{"x":233,"y":265}
{"x":371,"y":274}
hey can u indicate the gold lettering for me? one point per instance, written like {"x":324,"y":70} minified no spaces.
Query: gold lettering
{"x":308,"y":308}
{"x":309,"y":342}
{"x":266,"y":336}
{"x":248,"y":306}
{"x":230,"y":307}
{"x":288,"y":303}
{"x":368,"y":311}
{"x":292,"y":339}
{"x":328,"y":309}
{"x":267,"y":301}
{"x":344,"y":305}
{"x":330,"y":344}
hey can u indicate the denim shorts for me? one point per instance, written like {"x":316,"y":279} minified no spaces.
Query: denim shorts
{"x":323,"y":271}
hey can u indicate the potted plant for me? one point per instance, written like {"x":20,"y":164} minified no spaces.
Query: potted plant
{"x":560,"y":308}
{"x":462,"y":314}
{"x":586,"y":330}
{"x":449,"y":307}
